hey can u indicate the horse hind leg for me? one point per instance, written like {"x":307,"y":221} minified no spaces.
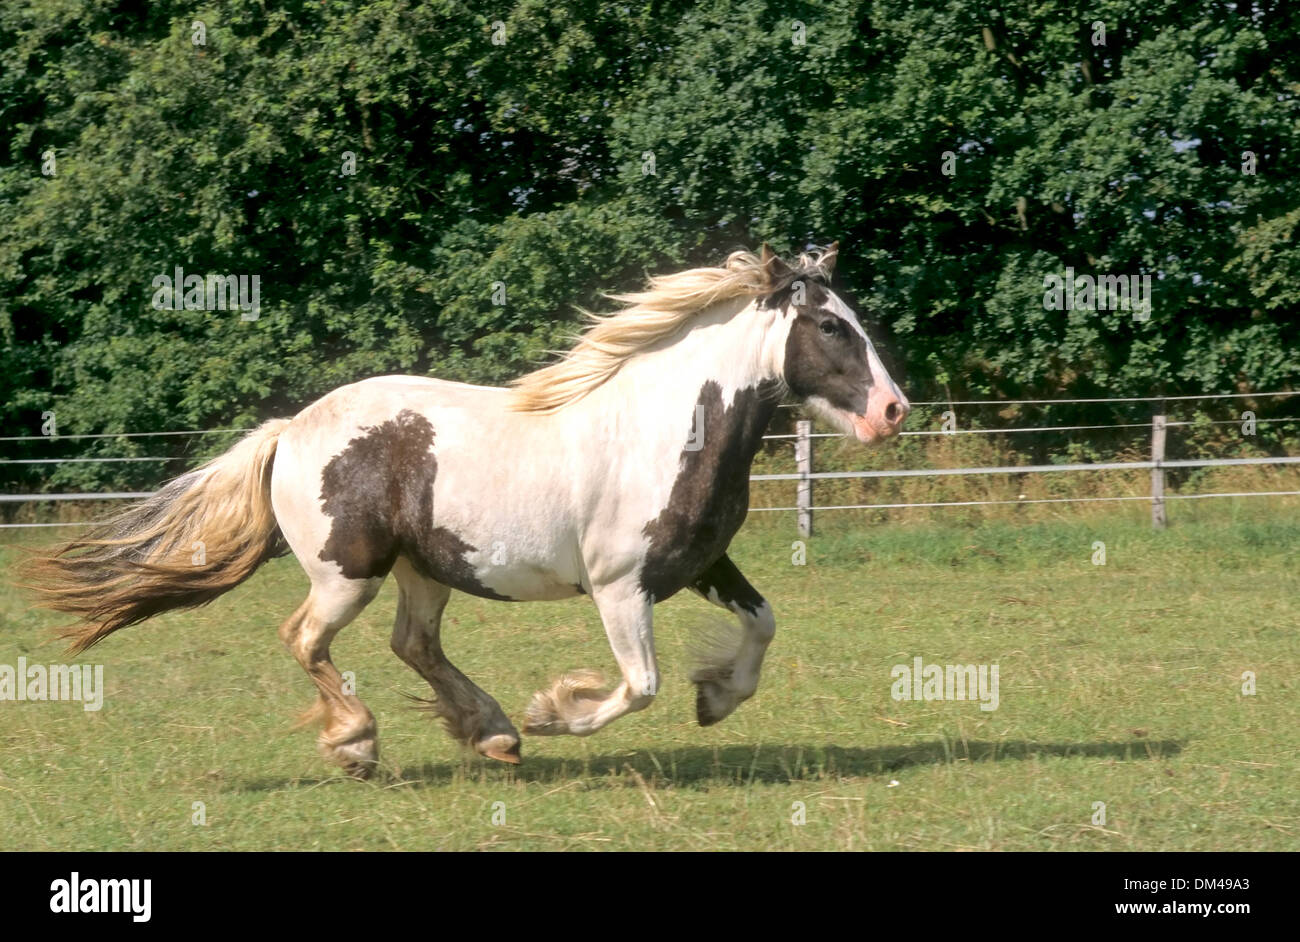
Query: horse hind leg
{"x":469,"y":714}
{"x":348,"y":735}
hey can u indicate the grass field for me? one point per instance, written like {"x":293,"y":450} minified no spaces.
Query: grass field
{"x":1119,"y":683}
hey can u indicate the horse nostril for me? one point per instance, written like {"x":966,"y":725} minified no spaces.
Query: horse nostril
{"x":893,"y":413}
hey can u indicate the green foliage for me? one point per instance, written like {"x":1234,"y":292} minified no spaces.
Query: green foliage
{"x":525,"y":164}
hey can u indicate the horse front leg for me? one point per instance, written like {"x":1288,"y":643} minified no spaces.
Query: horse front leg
{"x":577,"y":703}
{"x":731,"y":676}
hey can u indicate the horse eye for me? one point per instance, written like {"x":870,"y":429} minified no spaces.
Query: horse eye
{"x":828,"y":328}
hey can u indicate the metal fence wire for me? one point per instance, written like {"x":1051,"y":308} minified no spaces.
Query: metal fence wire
{"x":804,"y":476}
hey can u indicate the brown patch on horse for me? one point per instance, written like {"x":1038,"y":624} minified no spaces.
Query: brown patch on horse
{"x":378,"y":493}
{"x":710,"y":496}
{"x":728,"y":586}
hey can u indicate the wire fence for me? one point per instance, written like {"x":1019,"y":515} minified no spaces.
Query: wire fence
{"x":1025,"y":500}
{"x":1158,"y":465}
{"x":1059,"y":402}
{"x":805,"y":476}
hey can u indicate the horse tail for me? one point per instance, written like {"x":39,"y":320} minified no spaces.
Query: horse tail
{"x":199,"y":536}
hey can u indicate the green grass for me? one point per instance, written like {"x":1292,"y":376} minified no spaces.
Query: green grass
{"x":1119,"y":684}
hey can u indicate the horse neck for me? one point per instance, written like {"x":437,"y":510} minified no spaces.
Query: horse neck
{"x":723,"y":370}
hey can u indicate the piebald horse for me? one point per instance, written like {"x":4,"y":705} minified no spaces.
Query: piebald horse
{"x":620,"y":472}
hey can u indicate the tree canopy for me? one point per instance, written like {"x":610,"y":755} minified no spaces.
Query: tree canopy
{"x":428,"y":187}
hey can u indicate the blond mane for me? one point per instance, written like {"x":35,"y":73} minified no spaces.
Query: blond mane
{"x":667,"y":304}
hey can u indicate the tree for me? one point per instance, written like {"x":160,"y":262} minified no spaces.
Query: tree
{"x":424,"y":188}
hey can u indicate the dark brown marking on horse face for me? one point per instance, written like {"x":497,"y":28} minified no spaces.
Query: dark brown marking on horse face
{"x":378,"y":493}
{"x":710,"y":496}
{"x":727,"y":584}
{"x":825,"y":356}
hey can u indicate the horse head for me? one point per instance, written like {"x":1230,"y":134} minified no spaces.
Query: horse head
{"x":830,"y":362}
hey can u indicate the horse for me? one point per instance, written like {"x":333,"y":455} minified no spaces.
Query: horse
{"x":619,"y":471}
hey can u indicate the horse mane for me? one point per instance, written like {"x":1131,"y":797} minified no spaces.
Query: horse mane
{"x":668,"y":303}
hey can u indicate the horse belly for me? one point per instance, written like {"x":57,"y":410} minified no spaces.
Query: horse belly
{"x":510,"y":548}
{"x":489,"y":571}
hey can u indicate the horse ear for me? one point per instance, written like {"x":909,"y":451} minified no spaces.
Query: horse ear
{"x":831,"y":257}
{"x":774,"y":270}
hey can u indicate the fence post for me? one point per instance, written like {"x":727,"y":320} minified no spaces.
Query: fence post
{"x":1158,"y":520}
{"x":803,"y":465}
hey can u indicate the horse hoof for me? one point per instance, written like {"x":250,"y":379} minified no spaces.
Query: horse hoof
{"x":361,"y":771}
{"x":358,"y":758}
{"x":711,"y":703}
{"x":542,"y":718}
{"x":569,"y":702}
{"x":501,"y":747}
{"x":703,"y":708}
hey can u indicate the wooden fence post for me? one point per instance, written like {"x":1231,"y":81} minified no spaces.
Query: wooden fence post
{"x":803,"y":463}
{"x":1158,"y":519}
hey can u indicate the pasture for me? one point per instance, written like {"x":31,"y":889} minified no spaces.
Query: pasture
{"x":1119,"y":683}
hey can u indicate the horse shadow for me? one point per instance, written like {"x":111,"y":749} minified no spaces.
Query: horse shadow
{"x":705,"y":766}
